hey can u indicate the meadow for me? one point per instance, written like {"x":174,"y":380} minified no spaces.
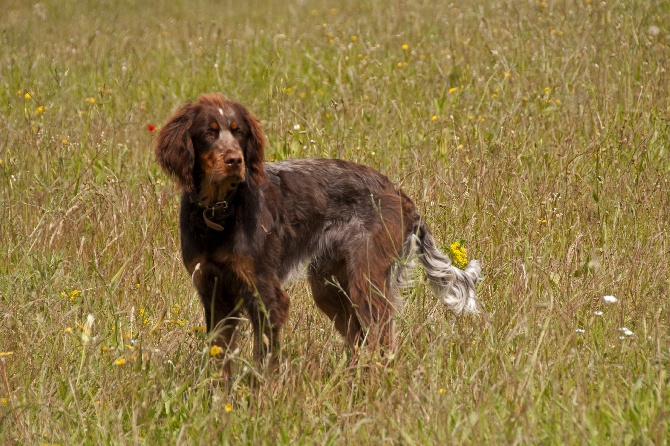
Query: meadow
{"x":536,"y":131}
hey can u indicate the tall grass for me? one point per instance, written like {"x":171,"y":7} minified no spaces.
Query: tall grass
{"x":537,"y":131}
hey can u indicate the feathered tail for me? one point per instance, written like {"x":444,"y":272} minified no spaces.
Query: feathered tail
{"x":453,"y":286}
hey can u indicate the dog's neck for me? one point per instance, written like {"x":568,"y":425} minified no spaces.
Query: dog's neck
{"x":210,"y":193}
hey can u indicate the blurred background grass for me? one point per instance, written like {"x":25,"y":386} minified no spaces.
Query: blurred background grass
{"x":537,"y":131}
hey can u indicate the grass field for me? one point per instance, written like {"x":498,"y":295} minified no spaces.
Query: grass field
{"x":538,"y":131}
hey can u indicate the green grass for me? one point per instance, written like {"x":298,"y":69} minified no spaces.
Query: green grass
{"x":537,"y":131}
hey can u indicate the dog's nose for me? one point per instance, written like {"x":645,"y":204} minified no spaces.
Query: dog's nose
{"x":233,"y":159}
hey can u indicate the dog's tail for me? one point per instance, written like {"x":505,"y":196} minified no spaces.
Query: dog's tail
{"x":453,"y":286}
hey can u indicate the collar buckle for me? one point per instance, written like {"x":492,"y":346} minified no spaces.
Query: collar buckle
{"x":210,"y":211}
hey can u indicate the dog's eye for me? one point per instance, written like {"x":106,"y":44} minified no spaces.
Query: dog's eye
{"x":213,"y":130}
{"x":235,"y":128}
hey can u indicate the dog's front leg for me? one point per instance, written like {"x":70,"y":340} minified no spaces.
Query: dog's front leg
{"x":268,"y":311}
{"x":222,"y":312}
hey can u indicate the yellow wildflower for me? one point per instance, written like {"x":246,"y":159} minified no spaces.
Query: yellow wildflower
{"x":405,"y":47}
{"x":3,"y":400}
{"x":228,"y":408}
{"x":3,"y":354}
{"x":119,"y":362}
{"x":354,"y":39}
{"x":453,"y":90}
{"x":143,"y":314}
{"x":27,"y":96}
{"x":433,"y":118}
{"x":39,"y":110}
{"x":71,"y":296}
{"x":90,"y":100}
{"x":442,"y":391}
{"x":215,"y":350}
{"x":458,"y":255}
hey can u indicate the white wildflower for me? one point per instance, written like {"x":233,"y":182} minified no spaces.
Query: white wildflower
{"x":86,"y":331}
{"x":610,"y":299}
{"x":653,"y":30}
{"x":626,"y":331}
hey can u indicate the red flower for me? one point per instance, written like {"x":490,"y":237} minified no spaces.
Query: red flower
{"x":151,"y":127}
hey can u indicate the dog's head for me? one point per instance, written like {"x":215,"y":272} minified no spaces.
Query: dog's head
{"x":213,"y":143}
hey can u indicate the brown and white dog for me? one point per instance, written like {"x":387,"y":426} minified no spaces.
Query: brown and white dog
{"x":247,"y":225}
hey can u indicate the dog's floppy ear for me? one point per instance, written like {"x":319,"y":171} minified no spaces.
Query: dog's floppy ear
{"x":174,"y":148}
{"x":254,"y":153}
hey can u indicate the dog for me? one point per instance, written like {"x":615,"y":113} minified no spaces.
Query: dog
{"x":246,"y":226}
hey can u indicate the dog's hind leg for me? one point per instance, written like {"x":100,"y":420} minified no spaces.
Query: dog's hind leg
{"x":372,"y":294}
{"x":329,"y":282}
{"x":374,"y":305}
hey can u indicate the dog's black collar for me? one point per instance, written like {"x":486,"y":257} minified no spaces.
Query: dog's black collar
{"x":214,"y":211}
